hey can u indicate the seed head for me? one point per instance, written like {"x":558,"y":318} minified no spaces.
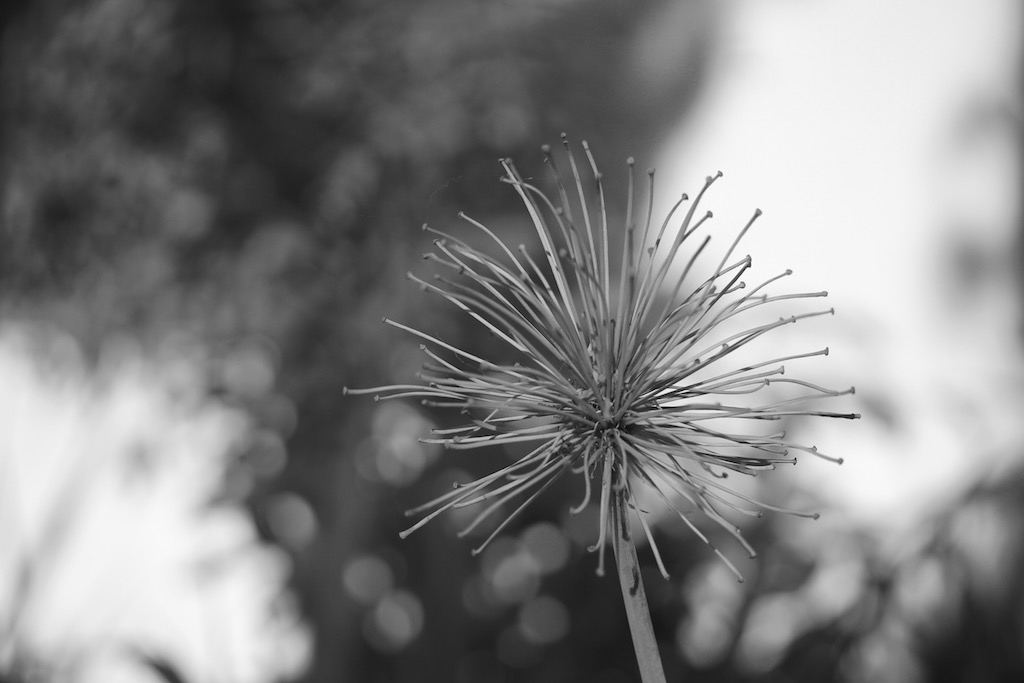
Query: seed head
{"x":626,"y":376}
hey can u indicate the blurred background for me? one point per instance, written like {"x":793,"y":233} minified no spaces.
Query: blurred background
{"x":206,"y":206}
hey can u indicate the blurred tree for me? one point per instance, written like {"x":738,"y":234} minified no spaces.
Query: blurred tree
{"x":251,"y":175}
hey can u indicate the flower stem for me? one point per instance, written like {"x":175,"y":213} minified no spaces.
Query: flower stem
{"x":637,"y":612}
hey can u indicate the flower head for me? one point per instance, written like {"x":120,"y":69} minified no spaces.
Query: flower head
{"x":626,"y":373}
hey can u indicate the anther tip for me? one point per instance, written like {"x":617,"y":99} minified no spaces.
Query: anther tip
{"x":826,"y":350}
{"x":630,"y":161}
{"x":816,"y":515}
{"x":424,"y":227}
{"x":565,"y":136}
{"x":545,"y":148}
{"x":757,"y":212}
{"x":650,"y":171}
{"x":344,"y":391}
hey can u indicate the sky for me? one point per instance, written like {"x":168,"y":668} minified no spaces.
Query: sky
{"x":108,"y":534}
{"x":878,"y":138}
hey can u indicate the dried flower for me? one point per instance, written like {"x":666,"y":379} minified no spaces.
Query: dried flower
{"x":625,"y":376}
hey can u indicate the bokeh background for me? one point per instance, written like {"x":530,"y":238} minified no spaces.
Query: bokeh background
{"x":206,"y":206}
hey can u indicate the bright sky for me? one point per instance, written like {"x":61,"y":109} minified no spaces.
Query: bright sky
{"x":105,"y":482}
{"x":849,"y":123}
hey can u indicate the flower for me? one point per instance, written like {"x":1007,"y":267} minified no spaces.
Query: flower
{"x":626,"y":376}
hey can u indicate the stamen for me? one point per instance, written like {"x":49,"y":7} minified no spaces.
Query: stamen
{"x":600,"y":382}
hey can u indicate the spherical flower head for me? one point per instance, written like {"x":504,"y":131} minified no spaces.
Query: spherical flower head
{"x":626,"y":373}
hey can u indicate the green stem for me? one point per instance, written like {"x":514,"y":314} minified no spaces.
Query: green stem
{"x":637,"y":612}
